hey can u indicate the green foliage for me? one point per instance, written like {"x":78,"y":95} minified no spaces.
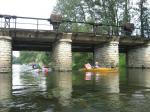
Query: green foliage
{"x":143,"y":16}
{"x":122,"y":60}
{"x":112,"y":12}
{"x":16,"y":60}
{"x":32,"y":56}
{"x":79,"y":59}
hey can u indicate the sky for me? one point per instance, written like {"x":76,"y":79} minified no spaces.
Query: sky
{"x":27,"y":8}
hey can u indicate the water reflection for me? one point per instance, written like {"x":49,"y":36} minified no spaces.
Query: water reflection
{"x":139,"y":77}
{"x":5,"y":86}
{"x":77,"y":92}
{"x":59,"y":85}
{"x":108,"y":82}
{"x":101,"y":82}
{"x":27,"y":82}
{"x":105,"y":82}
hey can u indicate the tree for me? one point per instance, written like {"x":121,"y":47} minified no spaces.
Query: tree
{"x":108,"y":12}
{"x":144,"y":17}
{"x":79,"y":59}
{"x":39,"y":57}
{"x":16,"y":60}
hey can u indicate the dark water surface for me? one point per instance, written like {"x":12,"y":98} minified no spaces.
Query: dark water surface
{"x":127,"y":91}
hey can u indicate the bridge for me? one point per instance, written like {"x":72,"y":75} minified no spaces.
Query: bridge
{"x":62,"y":37}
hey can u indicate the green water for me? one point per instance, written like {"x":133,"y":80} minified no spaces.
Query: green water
{"x":127,"y":91}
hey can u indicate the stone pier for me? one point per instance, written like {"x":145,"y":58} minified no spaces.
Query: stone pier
{"x":5,"y":86}
{"x":139,"y":57}
{"x":107,"y":54}
{"x":62,"y":53}
{"x":5,"y":53}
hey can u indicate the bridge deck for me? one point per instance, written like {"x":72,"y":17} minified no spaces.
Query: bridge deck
{"x":27,"y":39}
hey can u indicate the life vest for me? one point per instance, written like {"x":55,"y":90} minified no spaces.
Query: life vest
{"x":88,"y":66}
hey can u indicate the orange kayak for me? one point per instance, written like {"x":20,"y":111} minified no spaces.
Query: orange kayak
{"x":100,"y":70}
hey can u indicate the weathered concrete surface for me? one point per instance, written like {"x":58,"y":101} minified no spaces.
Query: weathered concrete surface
{"x":5,"y":86}
{"x":139,"y":57}
{"x":62,"y":54}
{"x":107,"y":54}
{"x":5,"y":53}
{"x":24,"y":39}
{"x":131,"y":40}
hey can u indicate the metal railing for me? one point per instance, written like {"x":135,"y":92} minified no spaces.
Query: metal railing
{"x":16,"y":22}
{"x":101,"y":29}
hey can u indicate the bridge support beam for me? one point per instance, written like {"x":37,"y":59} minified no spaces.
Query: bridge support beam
{"x":138,"y":57}
{"x":62,"y":54}
{"x":107,"y":54}
{"x":5,"y":54}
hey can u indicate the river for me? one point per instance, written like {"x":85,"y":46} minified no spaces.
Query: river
{"x":126,"y":91}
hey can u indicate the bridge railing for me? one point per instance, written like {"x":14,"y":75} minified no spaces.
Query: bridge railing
{"x":101,"y":29}
{"x":15,"y":22}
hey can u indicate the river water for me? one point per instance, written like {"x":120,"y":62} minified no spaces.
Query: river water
{"x":126,"y":91}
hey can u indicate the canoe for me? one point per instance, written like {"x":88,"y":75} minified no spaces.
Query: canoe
{"x":100,"y":70}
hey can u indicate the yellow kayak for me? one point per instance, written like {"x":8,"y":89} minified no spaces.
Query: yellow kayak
{"x":100,"y":70}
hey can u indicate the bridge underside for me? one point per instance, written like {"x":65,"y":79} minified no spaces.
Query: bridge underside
{"x":47,"y":46}
{"x":31,"y":46}
{"x":81,"y":42}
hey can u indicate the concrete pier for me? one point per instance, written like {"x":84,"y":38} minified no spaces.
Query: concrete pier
{"x":62,"y":54}
{"x":138,"y":57}
{"x":5,"y":54}
{"x":5,"y":86}
{"x":107,"y":54}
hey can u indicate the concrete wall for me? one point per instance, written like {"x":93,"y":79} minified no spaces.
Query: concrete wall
{"x":107,"y":54}
{"x":5,"y":53}
{"x":62,"y":54}
{"x":139,"y":56}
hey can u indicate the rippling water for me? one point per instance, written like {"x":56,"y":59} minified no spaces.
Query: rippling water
{"x":127,"y":91}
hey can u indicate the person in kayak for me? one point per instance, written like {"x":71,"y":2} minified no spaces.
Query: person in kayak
{"x":97,"y":65}
{"x":88,"y":66}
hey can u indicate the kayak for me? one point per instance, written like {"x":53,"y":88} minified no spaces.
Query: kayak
{"x":100,"y":70}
